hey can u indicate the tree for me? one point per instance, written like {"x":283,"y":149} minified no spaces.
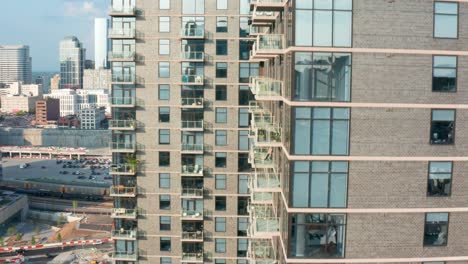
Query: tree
{"x":2,"y":241}
{"x":33,"y":240}
{"x":11,"y":230}
{"x":59,"y":237}
{"x":132,"y":161}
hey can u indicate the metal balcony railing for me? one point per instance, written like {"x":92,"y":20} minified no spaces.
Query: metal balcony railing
{"x":122,"y":124}
{"x":121,"y":56}
{"x":192,"y":235}
{"x":192,"y":192}
{"x":192,"y":102}
{"x":193,"y":55}
{"x":125,"y":146}
{"x":189,"y":147}
{"x":192,"y":169}
{"x":192,"y":214}
{"x":261,"y":197}
{"x":194,"y":32}
{"x":123,"y":10}
{"x":261,"y":157}
{"x":193,"y":79}
{"x":123,"y":101}
{"x":192,"y":257}
{"x":123,"y":234}
{"x":119,"y":78}
{"x":127,"y":33}
{"x":124,"y":213}
{"x":125,"y":256}
{"x":122,"y":169}
{"x":122,"y":191}
{"x":192,"y":124}
{"x":265,"y":87}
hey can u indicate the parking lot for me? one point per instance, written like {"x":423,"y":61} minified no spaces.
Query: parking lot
{"x":85,"y":171}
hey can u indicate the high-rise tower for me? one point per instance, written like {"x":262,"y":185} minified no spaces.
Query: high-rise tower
{"x":101,"y":42}
{"x":72,"y":63}
{"x":15,"y":64}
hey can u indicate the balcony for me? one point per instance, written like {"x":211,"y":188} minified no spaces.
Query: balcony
{"x":265,"y":180}
{"x":193,"y":79}
{"x":192,"y":257}
{"x":192,"y":170}
{"x":192,"y":125}
{"x":123,"y":79}
{"x":122,"y":33}
{"x":196,"y":56}
{"x":192,"y":102}
{"x":122,"y":191}
{"x":263,"y":221}
{"x":261,"y":157}
{"x":196,"y":193}
{"x":122,"y":124}
{"x":122,"y":11}
{"x":264,"y":18}
{"x":261,"y":197}
{"x":266,"y":89}
{"x":193,"y":33}
{"x":122,"y":234}
{"x":124,"y":213}
{"x":118,"y":147}
{"x":123,"y":102}
{"x":124,"y":256}
{"x":191,"y":215}
{"x":195,"y":236}
{"x":258,"y":30}
{"x":268,"y":5}
{"x":268,"y":46}
{"x":261,"y":251}
{"x":122,"y":169}
{"x":121,"y":56}
{"x":189,"y":148}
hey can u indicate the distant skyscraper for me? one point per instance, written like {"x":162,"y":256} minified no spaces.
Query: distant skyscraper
{"x":100,"y":42}
{"x":15,"y":64}
{"x":72,"y":63}
{"x":55,"y":82}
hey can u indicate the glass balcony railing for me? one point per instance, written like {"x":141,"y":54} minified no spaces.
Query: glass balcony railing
{"x":192,"y":102}
{"x":122,"y":191}
{"x":125,"y":256}
{"x":192,"y":192}
{"x":124,"y":146}
{"x":123,"y":234}
{"x":264,"y":87}
{"x":192,"y":257}
{"x":122,"y":124}
{"x":189,"y":147}
{"x":123,"y":10}
{"x":121,"y":56}
{"x":124,"y":213}
{"x":261,"y":197}
{"x":127,"y":33}
{"x":122,"y":169}
{"x":119,"y":78}
{"x":193,"y":79}
{"x":192,"y":169}
{"x":262,"y":251}
{"x":192,"y":235}
{"x":261,"y":157}
{"x":192,"y":124}
{"x":123,"y":101}
{"x":192,"y":214}
{"x":265,"y":179}
{"x":194,"y":32}
{"x":193,"y":55}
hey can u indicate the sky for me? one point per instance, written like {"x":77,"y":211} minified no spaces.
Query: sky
{"x":41,"y":24}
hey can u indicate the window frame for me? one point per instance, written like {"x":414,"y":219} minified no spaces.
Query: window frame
{"x":221,"y":72}
{"x":444,"y":14}
{"x":166,"y":240}
{"x":225,"y":159}
{"x":221,"y":200}
{"x":162,"y":179}
{"x":224,"y":3}
{"x":168,"y":114}
{"x":160,"y":22}
{"x":220,"y":241}
{"x":219,"y":178}
{"x":453,"y":130}
{"x":165,"y":226}
{"x":166,"y":201}
{"x":223,"y":111}
{"x":160,"y":153}
{"x":161,"y":135}
{"x":222,"y":92}
{"x":222,"y":29}
{"x":168,"y":91}
{"x":223,"y":222}
{"x":425,"y":228}
{"x":165,"y":1}
{"x":220,"y":43}
{"x":223,"y":138}
{"x":160,"y":66}
{"x":429,"y":179}
{"x":164,"y":45}
{"x":433,"y":73}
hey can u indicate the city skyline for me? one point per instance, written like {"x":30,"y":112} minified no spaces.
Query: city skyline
{"x":45,"y":27}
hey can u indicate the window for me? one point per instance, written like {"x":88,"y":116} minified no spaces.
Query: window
{"x":193,"y":6}
{"x":165,"y":244}
{"x":244,"y":7}
{"x":245,"y":95}
{"x":242,"y":261}
{"x":164,"y":24}
{"x":221,"y":47}
{"x":445,"y":20}
{"x":220,"y":261}
{"x":164,"y":114}
{"x":164,"y":4}
{"x":319,"y":184}
{"x":221,"y":24}
{"x":242,"y":226}
{"x":164,"y":47}
{"x":164,"y":159}
{"x":221,"y":92}
{"x":221,"y":137}
{"x":221,"y":115}
{"x":243,"y":184}
{"x":164,"y":92}
{"x":436,"y":229}
{"x":243,"y":162}
{"x":165,"y":180}
{"x":220,"y":203}
{"x":243,"y":140}
{"x":444,"y":74}
{"x":244,"y":50}
{"x":329,"y":230}
{"x":164,"y":69}
{"x":443,"y":127}
{"x":220,"y":160}
{"x":164,"y":136}
{"x":164,"y":223}
{"x":220,"y":182}
{"x":244,"y":119}
{"x":322,"y":76}
{"x":164,"y":202}
{"x":247,"y":70}
{"x":321,"y":131}
{"x":221,"y":70}
{"x":329,"y":22}
{"x":440,"y":178}
{"x":220,"y":224}
{"x":221,"y":4}
{"x":244,"y":27}
{"x":166,"y":261}
{"x":220,"y":245}
{"x":242,"y":246}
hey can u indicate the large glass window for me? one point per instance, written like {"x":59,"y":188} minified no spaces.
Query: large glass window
{"x":220,"y":159}
{"x":317,"y":235}
{"x":164,"y":24}
{"x":321,"y":131}
{"x":247,"y":70}
{"x":164,"y":114}
{"x":221,"y":4}
{"x":443,"y":127}
{"x":164,"y":4}
{"x":221,"y":138}
{"x":220,"y":203}
{"x":220,"y":181}
{"x":444,"y":74}
{"x":436,"y":229}
{"x":244,"y":119}
{"x":244,"y":141}
{"x":165,"y":180}
{"x":164,"y":92}
{"x":221,"y":115}
{"x":164,"y":202}
{"x":322,"y":76}
{"x":242,"y":226}
{"x":440,"y":178}
{"x":164,"y":136}
{"x":221,"y":70}
{"x":164,"y":159}
{"x":245,"y":95}
{"x":445,"y":19}
{"x":244,"y":27}
{"x":244,"y":50}
{"x":221,"y":93}
{"x":221,"y":24}
{"x":165,"y":244}
{"x":220,"y":224}
{"x":164,"y":69}
{"x":164,"y":223}
{"x":319,"y":184}
{"x":329,"y":22}
{"x":221,"y":47}
{"x":220,"y":245}
{"x":243,"y":184}
{"x":164,"y":46}
{"x":193,"y":7}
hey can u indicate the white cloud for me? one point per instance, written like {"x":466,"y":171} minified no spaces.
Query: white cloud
{"x":81,"y":9}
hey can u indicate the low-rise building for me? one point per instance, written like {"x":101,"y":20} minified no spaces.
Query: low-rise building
{"x":18,"y":103}
{"x":72,"y":101}
{"x":92,"y":118}
{"x":47,"y":111}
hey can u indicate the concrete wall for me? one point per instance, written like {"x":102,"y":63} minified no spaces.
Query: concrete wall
{"x":54,"y":137}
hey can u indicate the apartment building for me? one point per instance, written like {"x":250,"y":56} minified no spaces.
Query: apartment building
{"x":289,"y":131}
{"x":91,"y":118}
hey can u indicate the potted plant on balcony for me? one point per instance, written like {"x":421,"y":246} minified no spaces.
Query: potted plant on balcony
{"x":132,"y":162}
